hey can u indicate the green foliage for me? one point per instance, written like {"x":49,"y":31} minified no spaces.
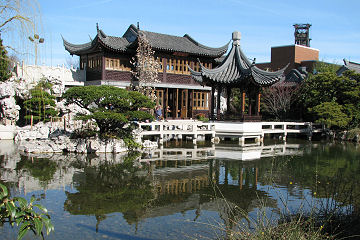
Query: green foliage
{"x":18,"y":210}
{"x":326,"y":87}
{"x":41,"y":104}
{"x":114,"y":109}
{"x":321,"y":67}
{"x":83,"y":133}
{"x":353,"y":133}
{"x":330,"y":114}
{"x":4,"y":63}
{"x":109,"y":188}
{"x":41,"y":168}
{"x":201,"y":117}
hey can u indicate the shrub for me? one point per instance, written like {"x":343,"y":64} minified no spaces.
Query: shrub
{"x":201,"y":117}
{"x":18,"y":210}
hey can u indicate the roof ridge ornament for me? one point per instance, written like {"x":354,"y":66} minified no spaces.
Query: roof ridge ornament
{"x":236,"y":36}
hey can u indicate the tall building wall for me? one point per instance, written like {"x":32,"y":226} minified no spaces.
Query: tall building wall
{"x":293,"y":55}
{"x":303,"y":53}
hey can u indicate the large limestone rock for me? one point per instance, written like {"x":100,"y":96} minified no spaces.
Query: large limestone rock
{"x":62,"y":143}
{"x":38,"y":131}
{"x":9,"y":109}
{"x":26,"y":77}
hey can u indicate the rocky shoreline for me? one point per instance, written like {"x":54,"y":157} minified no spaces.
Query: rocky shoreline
{"x":42,"y":138}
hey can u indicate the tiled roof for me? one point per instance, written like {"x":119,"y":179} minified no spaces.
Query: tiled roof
{"x":77,"y":48}
{"x":235,"y":69}
{"x":352,"y":66}
{"x":158,"y":41}
{"x":348,"y":66}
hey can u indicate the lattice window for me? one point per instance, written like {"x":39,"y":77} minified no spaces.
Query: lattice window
{"x":117,"y":64}
{"x":200,"y":100}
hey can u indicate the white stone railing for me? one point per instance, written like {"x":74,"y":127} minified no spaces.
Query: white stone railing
{"x":176,"y":127}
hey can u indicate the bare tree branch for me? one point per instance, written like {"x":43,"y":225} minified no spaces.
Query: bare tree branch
{"x":278,"y":99}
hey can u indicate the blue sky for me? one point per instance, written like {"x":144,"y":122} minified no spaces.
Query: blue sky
{"x":335,"y":27}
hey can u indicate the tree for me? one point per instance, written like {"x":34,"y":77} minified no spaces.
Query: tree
{"x":18,"y":210}
{"x":331,"y":114}
{"x":278,"y":99}
{"x":146,"y":67}
{"x":324,"y":88}
{"x":19,"y":20}
{"x":41,"y":104}
{"x":4,"y":63}
{"x":112,"y":108}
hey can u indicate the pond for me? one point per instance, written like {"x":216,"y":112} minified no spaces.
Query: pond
{"x":180,"y":191}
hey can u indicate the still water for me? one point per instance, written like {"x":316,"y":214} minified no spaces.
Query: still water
{"x":180,"y":191}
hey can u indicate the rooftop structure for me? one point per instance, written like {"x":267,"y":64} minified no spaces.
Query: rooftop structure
{"x":300,"y":57}
{"x":302,"y":34}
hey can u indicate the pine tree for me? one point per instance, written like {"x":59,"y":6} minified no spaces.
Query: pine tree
{"x":41,"y":104}
{"x":146,"y":67}
{"x":4,"y":63}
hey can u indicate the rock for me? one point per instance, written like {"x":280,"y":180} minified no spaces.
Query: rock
{"x":93,"y":145}
{"x":106,"y":146}
{"x":81,"y":146}
{"x":39,"y":131}
{"x":7,"y":100}
{"x":119,"y":146}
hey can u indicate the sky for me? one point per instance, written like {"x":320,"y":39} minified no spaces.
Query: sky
{"x":335,"y":29}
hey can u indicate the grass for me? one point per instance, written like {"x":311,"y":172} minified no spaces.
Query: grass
{"x":332,"y":215}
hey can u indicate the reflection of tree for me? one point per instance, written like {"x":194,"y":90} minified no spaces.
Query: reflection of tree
{"x":240,"y":196}
{"x":110,"y":188}
{"x":328,"y":170}
{"x":41,"y":168}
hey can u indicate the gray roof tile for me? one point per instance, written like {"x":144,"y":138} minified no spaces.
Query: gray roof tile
{"x":158,"y":41}
{"x":235,"y":69}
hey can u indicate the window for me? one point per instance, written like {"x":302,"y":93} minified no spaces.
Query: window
{"x":160,"y":61}
{"x":117,"y":64}
{"x":200,"y":101}
{"x":159,"y":93}
{"x":178,"y":66}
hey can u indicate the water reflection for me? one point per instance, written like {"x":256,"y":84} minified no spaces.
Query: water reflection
{"x":181,"y":182}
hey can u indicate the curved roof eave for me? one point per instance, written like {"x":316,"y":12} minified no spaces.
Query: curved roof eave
{"x":195,"y":75}
{"x":77,"y":48}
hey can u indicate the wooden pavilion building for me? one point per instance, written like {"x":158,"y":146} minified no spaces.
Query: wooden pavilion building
{"x":106,"y":61}
{"x":236,"y":71}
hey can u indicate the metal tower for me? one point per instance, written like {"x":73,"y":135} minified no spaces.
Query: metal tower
{"x":302,"y":34}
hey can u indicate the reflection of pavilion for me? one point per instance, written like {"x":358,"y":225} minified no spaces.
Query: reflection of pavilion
{"x":253,"y":151}
{"x":205,"y":186}
{"x":166,"y":154}
{"x":223,"y":151}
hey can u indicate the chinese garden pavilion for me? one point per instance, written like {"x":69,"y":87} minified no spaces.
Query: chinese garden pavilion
{"x":236,"y":71}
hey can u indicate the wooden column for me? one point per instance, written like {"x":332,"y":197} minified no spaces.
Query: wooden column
{"x":250,"y":97}
{"x":258,"y":103}
{"x":243,"y":102}
{"x":177,"y":103}
{"x":166,"y":103}
{"x":186,"y":103}
{"x":228,"y":93}
{"x":191,"y":95}
{"x":212,"y":105}
{"x":103,"y":74}
{"x":218,"y":103}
